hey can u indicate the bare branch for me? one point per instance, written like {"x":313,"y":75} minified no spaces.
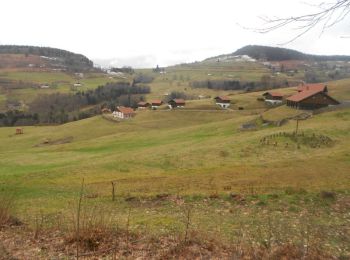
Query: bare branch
{"x":329,"y":15}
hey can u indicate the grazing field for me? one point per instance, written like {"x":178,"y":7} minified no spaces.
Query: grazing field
{"x":164,"y":161}
{"x":182,"y":178}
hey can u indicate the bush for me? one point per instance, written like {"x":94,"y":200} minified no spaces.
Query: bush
{"x":6,"y":209}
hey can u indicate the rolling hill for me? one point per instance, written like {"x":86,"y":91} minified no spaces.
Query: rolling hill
{"x":33,"y":56}
{"x":279,"y":54}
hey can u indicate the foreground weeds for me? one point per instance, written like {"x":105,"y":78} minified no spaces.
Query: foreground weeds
{"x":293,"y":225}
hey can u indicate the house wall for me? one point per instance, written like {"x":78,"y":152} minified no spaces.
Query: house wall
{"x":314,"y":102}
{"x":118,"y":114}
{"x":318,"y":99}
{"x":223,"y":105}
{"x":273,"y":102}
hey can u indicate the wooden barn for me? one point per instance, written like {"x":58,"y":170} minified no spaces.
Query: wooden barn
{"x":177,"y":102}
{"x":273,"y":97}
{"x":223,"y":101}
{"x":156,"y":103}
{"x":315,"y":87}
{"x":124,"y":112}
{"x":311,"y":99}
{"x":143,"y":105}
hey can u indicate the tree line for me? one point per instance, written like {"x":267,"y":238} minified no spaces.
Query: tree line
{"x":60,"y":108}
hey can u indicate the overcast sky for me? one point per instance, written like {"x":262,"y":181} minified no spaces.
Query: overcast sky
{"x":143,"y":33}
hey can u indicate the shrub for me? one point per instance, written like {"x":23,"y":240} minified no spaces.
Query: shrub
{"x":6,"y":208}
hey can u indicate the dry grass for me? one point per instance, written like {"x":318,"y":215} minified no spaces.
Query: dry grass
{"x":7,"y":205}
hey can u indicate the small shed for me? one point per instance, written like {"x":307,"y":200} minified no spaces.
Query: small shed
{"x":19,"y":131}
{"x":177,"y":102}
{"x":223,"y":101}
{"x":156,"y":103}
{"x":143,"y":105}
{"x":273,"y":98}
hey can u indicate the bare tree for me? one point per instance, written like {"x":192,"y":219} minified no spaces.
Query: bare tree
{"x":329,"y":14}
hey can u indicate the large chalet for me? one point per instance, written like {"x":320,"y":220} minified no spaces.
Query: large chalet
{"x":311,"y":99}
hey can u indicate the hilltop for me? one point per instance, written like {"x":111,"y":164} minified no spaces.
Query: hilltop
{"x":279,"y":54}
{"x":15,"y":56}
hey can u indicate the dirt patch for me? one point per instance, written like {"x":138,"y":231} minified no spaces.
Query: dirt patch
{"x":48,"y":141}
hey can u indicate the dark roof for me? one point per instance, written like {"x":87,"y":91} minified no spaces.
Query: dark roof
{"x":273,"y":94}
{"x":223,"y":98}
{"x":306,"y":94}
{"x":125,"y":110}
{"x":314,"y":86}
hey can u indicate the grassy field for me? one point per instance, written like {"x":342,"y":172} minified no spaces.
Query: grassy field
{"x":166,"y":161}
{"x":187,"y":152}
{"x":262,"y":186}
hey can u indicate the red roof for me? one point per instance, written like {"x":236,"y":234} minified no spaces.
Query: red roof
{"x":157,"y":102}
{"x":314,"y":86}
{"x":223,"y":98}
{"x":304,"y":95}
{"x":125,"y":110}
{"x":178,"y":101}
{"x":273,"y":94}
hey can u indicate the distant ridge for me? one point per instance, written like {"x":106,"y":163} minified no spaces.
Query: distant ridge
{"x":66,"y":58}
{"x":278,"y":54}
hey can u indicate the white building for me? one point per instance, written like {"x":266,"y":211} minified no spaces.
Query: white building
{"x":123,"y":112}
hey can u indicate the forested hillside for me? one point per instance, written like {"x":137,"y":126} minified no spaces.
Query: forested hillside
{"x":70,"y":60}
{"x":278,"y":54}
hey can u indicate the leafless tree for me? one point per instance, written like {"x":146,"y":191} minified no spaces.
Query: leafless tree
{"x":329,"y":14}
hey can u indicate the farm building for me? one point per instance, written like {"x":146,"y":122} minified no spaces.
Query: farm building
{"x":273,"y":98}
{"x":176,"y":103}
{"x":315,"y":87}
{"x":19,"y":131}
{"x":156,"y":103}
{"x":311,"y":99}
{"x":123,"y":112}
{"x":223,"y":101}
{"x":143,"y":105}
{"x":105,"y":110}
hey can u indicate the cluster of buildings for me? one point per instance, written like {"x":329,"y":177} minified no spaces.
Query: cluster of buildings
{"x":308,"y":96}
{"x":122,"y":112}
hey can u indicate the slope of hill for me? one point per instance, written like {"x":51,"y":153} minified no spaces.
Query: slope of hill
{"x":24,"y":56}
{"x":165,"y":161}
{"x":279,"y":54}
